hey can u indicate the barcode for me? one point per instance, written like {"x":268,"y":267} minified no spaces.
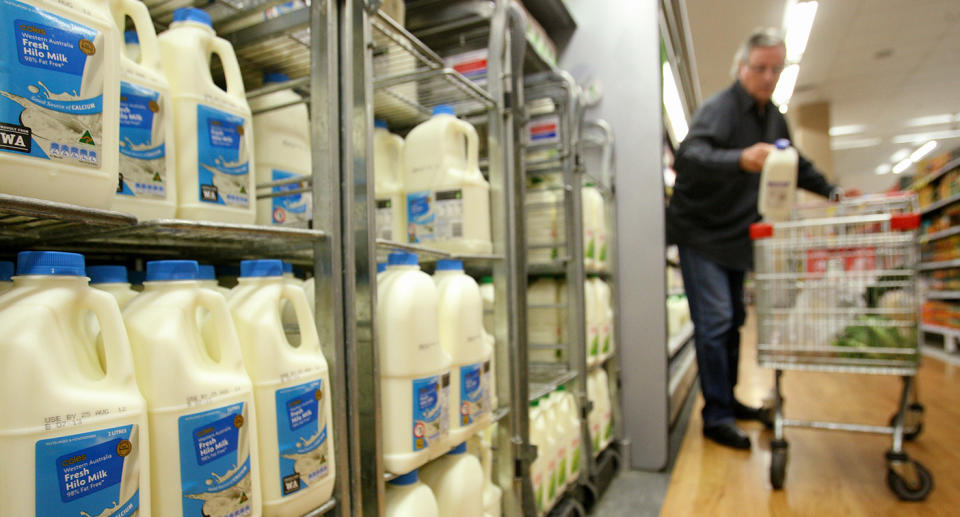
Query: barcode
{"x":457,"y":229}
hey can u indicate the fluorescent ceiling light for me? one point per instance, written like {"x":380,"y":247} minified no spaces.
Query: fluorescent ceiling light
{"x":785,"y":86}
{"x":902,"y":166}
{"x":857,"y":143}
{"x":923,"y":150}
{"x":882,"y":169}
{"x":930,"y":120}
{"x":900,"y":155}
{"x":918,"y":138}
{"x":847,"y":130}
{"x":676,"y":117}
{"x":797,"y":21}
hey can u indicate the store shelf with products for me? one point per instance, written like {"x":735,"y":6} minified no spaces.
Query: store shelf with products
{"x":682,"y":376}
{"x":678,"y":341}
{"x":942,"y":264}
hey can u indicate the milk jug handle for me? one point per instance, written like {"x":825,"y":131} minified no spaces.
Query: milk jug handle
{"x":298,"y":299}
{"x":472,"y":144}
{"x":231,"y":69}
{"x":146,"y":34}
{"x":223,"y":328}
{"x":116,"y":344}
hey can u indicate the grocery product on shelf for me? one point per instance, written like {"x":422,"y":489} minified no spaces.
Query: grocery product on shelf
{"x":595,"y":420}
{"x":570,"y":412}
{"x":406,"y":496}
{"x":261,"y":15}
{"x":594,"y":321}
{"x":447,"y":198}
{"x":214,"y":141}
{"x":539,"y":473}
{"x":605,"y":409}
{"x":594,"y":231}
{"x":147,"y":185}
{"x":544,"y":317}
{"x":387,"y":162}
{"x":204,"y":452}
{"x":460,"y":320}
{"x":6,"y":274}
{"x":414,"y":369}
{"x":112,"y":279}
{"x":542,"y":213}
{"x":78,"y":444}
{"x":291,"y":385}
{"x":605,"y":317}
{"x":208,"y":278}
{"x":282,"y":143}
{"x":678,"y":314}
{"x":480,"y":445}
{"x":457,"y":482}
{"x":560,"y":429}
{"x":59,"y":115}
{"x":778,"y":182}
{"x":131,"y":45}
{"x":941,"y":314}
{"x":487,"y":294}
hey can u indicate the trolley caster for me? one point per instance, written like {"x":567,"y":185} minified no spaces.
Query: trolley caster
{"x":767,"y":416}
{"x":910,"y":480}
{"x":778,"y":463}
{"x":913,"y":423}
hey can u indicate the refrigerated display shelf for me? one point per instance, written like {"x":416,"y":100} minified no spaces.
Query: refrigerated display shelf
{"x":540,"y":387}
{"x":943,"y":264}
{"x":950,"y":335}
{"x":682,"y":375}
{"x":949,"y":232}
{"x":940,"y":204}
{"x":941,"y":354}
{"x":557,"y":267}
{"x":930,"y":178}
{"x":429,"y":254}
{"x":681,"y":338}
{"x":29,"y":222}
{"x":943,"y":295}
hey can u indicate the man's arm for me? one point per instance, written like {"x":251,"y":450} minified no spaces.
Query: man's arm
{"x":702,"y":149}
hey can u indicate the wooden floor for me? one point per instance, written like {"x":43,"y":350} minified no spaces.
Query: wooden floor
{"x":829,"y":473}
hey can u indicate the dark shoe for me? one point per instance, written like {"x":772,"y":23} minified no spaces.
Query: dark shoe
{"x":742,"y":412}
{"x":727,"y":434}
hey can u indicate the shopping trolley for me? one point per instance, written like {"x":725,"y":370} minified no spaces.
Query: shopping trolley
{"x":836,"y":291}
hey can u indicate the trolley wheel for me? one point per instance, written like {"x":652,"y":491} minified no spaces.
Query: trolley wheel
{"x":778,"y":464}
{"x":767,"y":416}
{"x":908,"y":491}
{"x":915,"y":415}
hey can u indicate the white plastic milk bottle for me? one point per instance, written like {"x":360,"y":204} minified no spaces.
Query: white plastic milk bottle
{"x":112,"y":279}
{"x":282,"y":144}
{"x":291,"y":387}
{"x":147,"y":183}
{"x":778,"y":182}
{"x":59,"y":100}
{"x":541,"y":469}
{"x":460,"y":321}
{"x":542,"y":206}
{"x":607,"y":344}
{"x":448,"y":200}
{"x":414,"y":369}
{"x":406,"y":496}
{"x":606,"y":411}
{"x":591,"y":301}
{"x":588,"y":197}
{"x":492,"y":494}
{"x":561,"y":428}
{"x":73,"y":435}
{"x":487,"y":293}
{"x":558,"y":451}
{"x":544,"y":320}
{"x":214,"y":140}
{"x":205,"y":454}
{"x":569,"y":412}
{"x":594,"y":419}
{"x":387,"y":162}
{"x":131,"y":45}
{"x":457,"y":482}
{"x":6,"y":274}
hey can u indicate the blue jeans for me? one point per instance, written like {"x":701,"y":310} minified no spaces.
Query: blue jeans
{"x":715,"y":294}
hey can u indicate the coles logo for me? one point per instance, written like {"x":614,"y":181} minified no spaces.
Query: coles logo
{"x":279,"y":215}
{"x":465,"y":408}
{"x":419,"y":429}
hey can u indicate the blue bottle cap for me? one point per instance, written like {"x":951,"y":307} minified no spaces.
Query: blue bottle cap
{"x":380,"y":123}
{"x":403,"y":258}
{"x":782,"y":143}
{"x":287,"y":267}
{"x":261,"y":268}
{"x":444,"y":109}
{"x":381,"y":267}
{"x":107,"y":274}
{"x":50,"y":263}
{"x":449,"y":265}
{"x":166,"y":270}
{"x":459,"y":449}
{"x":407,"y":479}
{"x":192,"y":14}
{"x":131,"y":37}
{"x":207,"y":272}
{"x":6,"y":270}
{"x":275,"y":77}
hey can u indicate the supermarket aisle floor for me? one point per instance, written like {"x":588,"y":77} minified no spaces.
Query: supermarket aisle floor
{"x":828,"y":473}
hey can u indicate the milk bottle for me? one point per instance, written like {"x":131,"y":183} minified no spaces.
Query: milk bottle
{"x":589,"y":215}
{"x":544,"y":477}
{"x":112,"y":279}
{"x":406,"y":496}
{"x":59,"y":100}
{"x":414,"y":369}
{"x":448,"y":200}
{"x":557,"y":461}
{"x":205,"y":454}
{"x":561,"y":429}
{"x":541,"y":207}
{"x":131,"y":45}
{"x":594,"y":203}
{"x":387,"y":161}
{"x":543,"y":320}
{"x":213,"y":137}
{"x":291,"y":389}
{"x":146,"y":186}
{"x":460,"y":320}
{"x":72,"y":411}
{"x":492,"y":494}
{"x":591,"y":300}
{"x":606,"y":411}
{"x":778,"y":182}
{"x":569,"y":412}
{"x":487,"y":294}
{"x":594,"y":419}
{"x":604,"y":300}
{"x":207,"y":277}
{"x":457,"y":482}
{"x":6,"y":273}
{"x":282,"y":144}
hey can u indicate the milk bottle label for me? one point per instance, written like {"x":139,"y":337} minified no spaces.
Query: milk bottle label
{"x":215,"y":462}
{"x":224,"y":162}
{"x":302,"y":436}
{"x":474,"y":397}
{"x":51,"y":86}
{"x":430,"y":419}
{"x":85,"y":474}
{"x":419,"y":217}
{"x":293,"y":209}
{"x":449,"y":209}
{"x":143,"y":170}
{"x":385,"y":219}
{"x":544,"y":130}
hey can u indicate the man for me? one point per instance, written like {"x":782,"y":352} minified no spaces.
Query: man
{"x":713,"y":204}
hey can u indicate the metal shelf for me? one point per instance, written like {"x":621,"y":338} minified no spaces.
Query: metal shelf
{"x":676,"y":343}
{"x":326,"y":507}
{"x":557,"y":267}
{"x":433,"y":254}
{"x":681,"y":380}
{"x":554,"y":16}
{"x":940,"y":204}
{"x":930,"y":178}
{"x":31,"y":222}
{"x":944,"y":264}
{"x":924,"y":239}
{"x":942,"y":295}
{"x":541,"y":385}
{"x":938,"y":353}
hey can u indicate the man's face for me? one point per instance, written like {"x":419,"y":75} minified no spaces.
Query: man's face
{"x":760,"y":73}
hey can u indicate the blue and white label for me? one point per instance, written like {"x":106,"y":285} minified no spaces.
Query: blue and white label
{"x":90,"y":474}
{"x":51,"y":86}
{"x":143,"y":171}
{"x":430,"y":420}
{"x":293,"y":209}
{"x":420,"y":218}
{"x":474,"y":394}
{"x":215,"y":462}
{"x":302,"y":436}
{"x":223,"y":157}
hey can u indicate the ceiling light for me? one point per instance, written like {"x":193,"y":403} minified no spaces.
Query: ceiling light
{"x":854,"y":143}
{"x":847,"y":130}
{"x":676,"y":117}
{"x":923,"y":150}
{"x":918,"y":138}
{"x":930,"y":120}
{"x":797,"y":21}
{"x":900,"y":155}
{"x":882,"y":169}
{"x":784,"y":89}
{"x":902,"y":166}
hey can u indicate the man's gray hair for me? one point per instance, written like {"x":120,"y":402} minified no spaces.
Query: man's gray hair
{"x":762,"y":37}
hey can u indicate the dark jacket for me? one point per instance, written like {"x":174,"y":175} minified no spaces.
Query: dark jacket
{"x":714,"y":202}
